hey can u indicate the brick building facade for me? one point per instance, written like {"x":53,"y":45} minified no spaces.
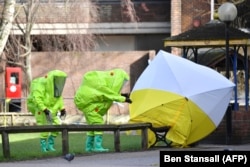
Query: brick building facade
{"x":234,"y":129}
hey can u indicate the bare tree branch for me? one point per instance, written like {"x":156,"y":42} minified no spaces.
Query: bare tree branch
{"x":6,"y":24}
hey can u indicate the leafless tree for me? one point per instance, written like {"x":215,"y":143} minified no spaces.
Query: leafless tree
{"x":32,"y":13}
{"x":6,"y":22}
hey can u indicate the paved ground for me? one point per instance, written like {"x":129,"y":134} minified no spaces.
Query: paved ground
{"x":123,"y":159}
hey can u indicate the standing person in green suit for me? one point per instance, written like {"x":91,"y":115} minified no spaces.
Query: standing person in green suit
{"x":45,"y":102}
{"x":94,"y":97}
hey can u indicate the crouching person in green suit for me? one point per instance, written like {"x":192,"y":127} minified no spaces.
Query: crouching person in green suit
{"x":94,"y":97}
{"x":45,"y":102}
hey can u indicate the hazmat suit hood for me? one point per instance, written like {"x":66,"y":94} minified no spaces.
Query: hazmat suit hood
{"x":112,"y":79}
{"x":55,"y":82}
{"x":115,"y":79}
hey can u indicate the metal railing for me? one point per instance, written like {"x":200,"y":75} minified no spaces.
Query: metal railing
{"x":65,"y":129}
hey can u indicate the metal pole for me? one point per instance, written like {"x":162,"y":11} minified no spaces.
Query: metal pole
{"x":227,"y":48}
{"x":229,"y":109}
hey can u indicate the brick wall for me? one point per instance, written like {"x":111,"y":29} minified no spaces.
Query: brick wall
{"x":200,"y":10}
{"x":184,"y":14}
{"x":75,"y":64}
{"x":240,"y":129}
{"x":194,"y":10}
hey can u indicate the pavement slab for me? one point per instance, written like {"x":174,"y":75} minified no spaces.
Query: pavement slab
{"x":148,"y":158}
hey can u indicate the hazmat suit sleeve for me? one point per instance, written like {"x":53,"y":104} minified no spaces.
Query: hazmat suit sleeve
{"x":38,"y":95}
{"x":110,"y":95}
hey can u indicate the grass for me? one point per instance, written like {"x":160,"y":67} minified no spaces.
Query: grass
{"x":26,"y":146}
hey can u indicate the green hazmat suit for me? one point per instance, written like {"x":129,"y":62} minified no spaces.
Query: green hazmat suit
{"x":46,"y":93}
{"x":96,"y":94}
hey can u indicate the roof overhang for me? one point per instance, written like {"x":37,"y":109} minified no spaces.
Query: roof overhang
{"x":211,"y":34}
{"x":205,"y":43}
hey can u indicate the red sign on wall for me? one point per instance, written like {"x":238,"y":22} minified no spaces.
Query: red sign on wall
{"x":13,"y":80}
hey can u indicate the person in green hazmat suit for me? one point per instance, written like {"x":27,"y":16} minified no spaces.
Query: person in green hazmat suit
{"x":45,"y":102}
{"x":94,"y":97}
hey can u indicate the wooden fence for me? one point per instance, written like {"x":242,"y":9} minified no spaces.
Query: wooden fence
{"x":65,"y":129}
